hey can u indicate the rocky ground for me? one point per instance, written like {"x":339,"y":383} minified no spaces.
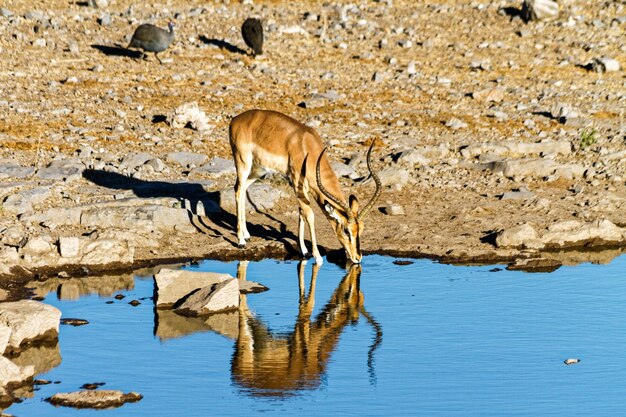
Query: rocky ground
{"x":498,"y":138}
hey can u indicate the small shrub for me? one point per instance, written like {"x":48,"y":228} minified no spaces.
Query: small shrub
{"x":587,"y":138}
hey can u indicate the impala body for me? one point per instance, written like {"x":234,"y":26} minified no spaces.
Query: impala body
{"x":264,"y":141}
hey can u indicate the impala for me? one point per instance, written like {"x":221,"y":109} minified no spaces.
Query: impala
{"x":267,"y":141}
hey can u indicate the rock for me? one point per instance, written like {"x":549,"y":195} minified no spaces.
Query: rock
{"x":488,"y":95}
{"x":392,"y":176}
{"x":539,"y":10}
{"x":262,"y":197}
{"x":521,"y":194}
{"x":314,"y":101}
{"x":29,"y":321}
{"x":516,"y":148}
{"x":344,"y":170}
{"x":11,"y":374}
{"x":58,"y":216}
{"x":563,"y":112}
{"x":572,"y":233}
{"x":525,"y":167}
{"x":5,"y":335}
{"x":69,"y":247}
{"x":97,"y":399}
{"x":69,"y":169}
{"x":74,"y":322}
{"x":571,"y":361}
{"x":173,"y":219}
{"x":214,"y":298}
{"x":535,"y":265}
{"x":189,"y":114}
{"x":186,"y":159}
{"x":14,"y":236}
{"x":172,"y":285}
{"x":605,"y":64}
{"x":393,"y":210}
{"x":12,"y":169}
{"x":216,"y":166}
{"x":23,"y":201}
{"x":565,"y":234}
{"x":456,"y":124}
{"x":134,"y":160}
{"x":570,"y":171}
{"x":518,"y":236}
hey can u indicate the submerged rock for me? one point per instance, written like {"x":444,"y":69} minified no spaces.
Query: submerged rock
{"x":94,"y":399}
{"x":535,"y":265}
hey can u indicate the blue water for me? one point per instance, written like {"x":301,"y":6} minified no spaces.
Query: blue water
{"x":422,"y":339}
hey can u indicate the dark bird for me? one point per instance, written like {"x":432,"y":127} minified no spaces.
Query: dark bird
{"x":252,"y":32}
{"x":151,"y":38}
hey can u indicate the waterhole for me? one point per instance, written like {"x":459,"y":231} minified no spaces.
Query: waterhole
{"x":387,"y":338}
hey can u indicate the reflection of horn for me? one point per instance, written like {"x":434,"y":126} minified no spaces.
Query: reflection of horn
{"x":378,"y":339}
{"x":276,"y":365}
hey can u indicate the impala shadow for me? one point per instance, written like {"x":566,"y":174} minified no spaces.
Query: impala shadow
{"x":215,"y":221}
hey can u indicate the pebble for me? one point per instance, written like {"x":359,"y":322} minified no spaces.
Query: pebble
{"x":571,"y":361}
{"x":456,"y":124}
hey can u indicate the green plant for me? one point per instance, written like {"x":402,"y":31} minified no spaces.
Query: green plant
{"x":587,"y":138}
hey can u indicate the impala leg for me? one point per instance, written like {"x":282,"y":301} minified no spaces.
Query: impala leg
{"x":240,"y":203}
{"x":303,"y":249}
{"x":310,"y":219}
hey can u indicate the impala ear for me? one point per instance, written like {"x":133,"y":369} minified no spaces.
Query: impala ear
{"x":354,"y":204}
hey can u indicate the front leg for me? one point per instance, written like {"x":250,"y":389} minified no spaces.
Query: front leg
{"x":310,"y":219}
{"x":303,"y":249}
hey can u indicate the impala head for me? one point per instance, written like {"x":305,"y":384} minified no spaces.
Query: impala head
{"x":346,"y":220}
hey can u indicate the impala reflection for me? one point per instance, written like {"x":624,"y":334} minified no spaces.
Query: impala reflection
{"x":267,"y":364}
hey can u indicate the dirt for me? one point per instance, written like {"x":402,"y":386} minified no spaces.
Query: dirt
{"x":451,"y":212}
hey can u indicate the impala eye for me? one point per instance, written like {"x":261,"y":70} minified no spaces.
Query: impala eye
{"x":346,"y":231}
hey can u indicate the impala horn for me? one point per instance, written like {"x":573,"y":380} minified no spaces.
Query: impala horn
{"x":378,"y":190}
{"x":328,"y":195}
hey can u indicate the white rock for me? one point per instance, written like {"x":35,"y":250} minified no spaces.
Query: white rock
{"x":605,"y":64}
{"x":540,"y":10}
{"x":517,"y":236}
{"x":29,"y":321}
{"x":69,"y":246}
{"x":189,"y":113}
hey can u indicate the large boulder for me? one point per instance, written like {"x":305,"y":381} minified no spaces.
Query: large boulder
{"x":29,"y":321}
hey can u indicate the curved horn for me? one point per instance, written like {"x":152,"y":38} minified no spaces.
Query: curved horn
{"x":324,"y":191}
{"x":369,"y":205}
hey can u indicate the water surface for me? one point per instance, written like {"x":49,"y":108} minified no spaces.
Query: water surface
{"x":420,"y":339}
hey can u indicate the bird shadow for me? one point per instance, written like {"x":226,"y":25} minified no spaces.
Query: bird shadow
{"x":222,"y":44}
{"x":193,"y":196}
{"x":117,"y":50}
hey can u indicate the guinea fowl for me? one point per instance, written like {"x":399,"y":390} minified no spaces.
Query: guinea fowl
{"x":152,"y":38}
{"x":252,"y":32}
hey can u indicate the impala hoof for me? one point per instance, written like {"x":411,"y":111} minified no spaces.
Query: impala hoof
{"x":319,"y":260}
